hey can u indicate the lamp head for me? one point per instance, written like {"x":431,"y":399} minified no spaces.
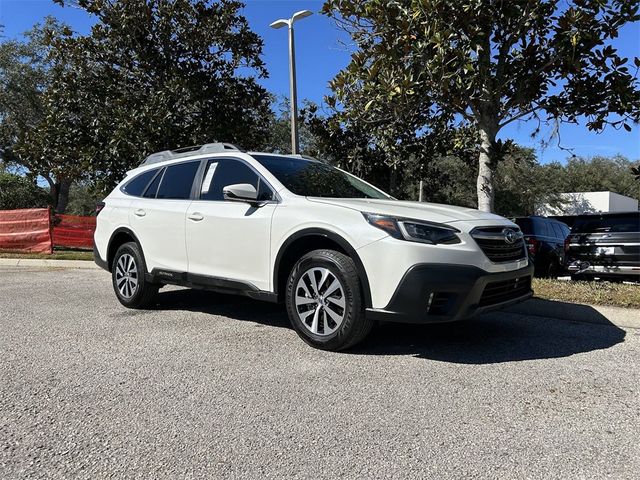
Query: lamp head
{"x":301,"y":14}
{"x":280,"y":23}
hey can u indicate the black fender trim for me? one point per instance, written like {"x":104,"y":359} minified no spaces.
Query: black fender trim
{"x":113,"y":235}
{"x":206,"y":282}
{"x":97,"y":259}
{"x":344,"y":244}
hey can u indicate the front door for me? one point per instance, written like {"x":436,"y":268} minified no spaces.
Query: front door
{"x":230,"y":240}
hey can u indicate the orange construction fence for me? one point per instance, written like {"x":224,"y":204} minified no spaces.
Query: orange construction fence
{"x":27,"y":230}
{"x":73,"y":231}
{"x":37,"y":230}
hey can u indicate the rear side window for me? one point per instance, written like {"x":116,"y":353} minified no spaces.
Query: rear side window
{"x":136,"y":186}
{"x":220,"y":174}
{"x":152,"y":189}
{"x":557,"y":228}
{"x":177,"y":181}
{"x":543,"y":228}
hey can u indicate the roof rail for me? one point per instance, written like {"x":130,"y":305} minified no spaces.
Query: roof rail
{"x":188,"y":151}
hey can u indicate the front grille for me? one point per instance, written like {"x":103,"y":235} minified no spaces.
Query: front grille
{"x":493,"y":243}
{"x":498,"y":292}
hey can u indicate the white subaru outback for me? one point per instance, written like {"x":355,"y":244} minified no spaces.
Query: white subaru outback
{"x":339,"y":252}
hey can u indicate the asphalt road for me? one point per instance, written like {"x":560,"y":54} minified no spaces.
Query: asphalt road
{"x":220,"y":387}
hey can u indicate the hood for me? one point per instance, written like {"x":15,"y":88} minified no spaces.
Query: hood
{"x":431,"y":212}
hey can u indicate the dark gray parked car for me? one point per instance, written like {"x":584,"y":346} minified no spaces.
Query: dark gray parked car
{"x":545,"y":243}
{"x":605,"y":245}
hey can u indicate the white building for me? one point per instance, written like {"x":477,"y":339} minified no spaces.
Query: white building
{"x":577,"y":203}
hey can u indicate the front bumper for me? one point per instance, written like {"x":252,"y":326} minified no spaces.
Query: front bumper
{"x":433,"y":293}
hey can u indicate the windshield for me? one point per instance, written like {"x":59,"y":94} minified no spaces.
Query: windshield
{"x":315,"y":179}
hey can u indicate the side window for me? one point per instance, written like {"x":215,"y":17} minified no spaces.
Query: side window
{"x":136,"y":186}
{"x":543,"y":228}
{"x":225,"y":172}
{"x":152,"y":189}
{"x":177,"y":181}
{"x":557,"y":230}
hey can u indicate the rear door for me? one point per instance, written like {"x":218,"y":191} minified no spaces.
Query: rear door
{"x":230,"y":240}
{"x":158,"y":218}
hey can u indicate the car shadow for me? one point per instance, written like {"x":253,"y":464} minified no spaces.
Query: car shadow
{"x":491,"y":338}
{"x":232,"y":306}
{"x":498,"y":337}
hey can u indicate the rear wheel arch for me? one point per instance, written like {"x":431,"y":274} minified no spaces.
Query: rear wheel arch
{"x":119,"y":237}
{"x":307,"y":240}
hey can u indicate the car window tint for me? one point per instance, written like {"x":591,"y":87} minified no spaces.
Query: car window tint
{"x":614,"y":222}
{"x":557,"y":230}
{"x":230,"y":172}
{"x":545,"y":228}
{"x":525,"y":225}
{"x":152,"y":189}
{"x":177,"y":181}
{"x":136,"y":186}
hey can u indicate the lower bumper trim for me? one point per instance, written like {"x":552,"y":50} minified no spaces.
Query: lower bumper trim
{"x":463,"y":291}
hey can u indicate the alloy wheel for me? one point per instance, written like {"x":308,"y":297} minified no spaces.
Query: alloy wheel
{"x":127,"y":276}
{"x":320,"y":301}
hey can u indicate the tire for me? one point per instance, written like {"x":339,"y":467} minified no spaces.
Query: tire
{"x":553,"y":269}
{"x":335,"y":320}
{"x":128,"y":278}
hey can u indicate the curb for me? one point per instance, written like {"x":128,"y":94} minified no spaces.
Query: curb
{"x":36,"y":262}
{"x":577,"y":312}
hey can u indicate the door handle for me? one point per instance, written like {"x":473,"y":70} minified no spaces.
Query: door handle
{"x":139,"y":213}
{"x":196,"y":217}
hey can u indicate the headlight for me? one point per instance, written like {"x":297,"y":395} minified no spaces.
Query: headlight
{"x":414,"y":230}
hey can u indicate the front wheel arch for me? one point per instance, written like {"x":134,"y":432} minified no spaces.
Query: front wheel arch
{"x":307,"y":240}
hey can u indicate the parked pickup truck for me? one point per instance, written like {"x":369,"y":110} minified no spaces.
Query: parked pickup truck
{"x":605,"y":245}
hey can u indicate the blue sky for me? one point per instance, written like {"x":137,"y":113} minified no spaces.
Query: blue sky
{"x":322,"y":50}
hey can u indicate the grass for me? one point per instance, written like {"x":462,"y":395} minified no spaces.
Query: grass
{"x":593,"y":293}
{"x":56,"y":255}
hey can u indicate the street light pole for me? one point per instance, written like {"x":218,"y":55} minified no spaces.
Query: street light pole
{"x":293,"y":93}
{"x":293,"y":98}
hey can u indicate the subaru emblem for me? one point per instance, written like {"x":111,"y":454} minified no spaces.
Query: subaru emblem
{"x":510,"y":235}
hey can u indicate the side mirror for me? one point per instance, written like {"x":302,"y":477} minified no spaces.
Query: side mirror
{"x":240,"y":192}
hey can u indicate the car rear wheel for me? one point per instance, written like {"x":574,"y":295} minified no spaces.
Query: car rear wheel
{"x":324,"y":301}
{"x":128,"y":278}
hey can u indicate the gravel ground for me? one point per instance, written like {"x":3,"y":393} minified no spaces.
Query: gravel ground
{"x":220,"y":387}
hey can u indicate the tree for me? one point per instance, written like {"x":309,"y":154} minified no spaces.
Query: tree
{"x":152,"y":75}
{"x":597,"y":174}
{"x":279,"y":139}
{"x":83,"y":199}
{"x":24,"y":77}
{"x":17,"y":191}
{"x":483,"y":64}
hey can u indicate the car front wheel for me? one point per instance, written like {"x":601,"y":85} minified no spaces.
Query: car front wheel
{"x":128,"y":278}
{"x":324,"y":301}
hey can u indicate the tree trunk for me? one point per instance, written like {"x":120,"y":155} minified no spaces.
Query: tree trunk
{"x":59,"y":193}
{"x":487,"y":165}
{"x":63,"y":196}
{"x":392,"y":181}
